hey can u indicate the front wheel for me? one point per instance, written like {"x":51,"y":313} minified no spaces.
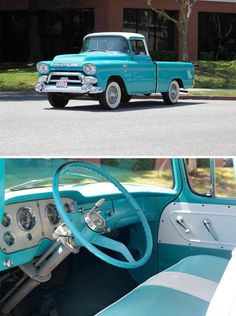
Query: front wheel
{"x":172,"y":96}
{"x":111,"y":97}
{"x":56,"y":100}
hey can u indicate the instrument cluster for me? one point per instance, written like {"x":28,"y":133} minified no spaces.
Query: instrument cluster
{"x":24,"y":225}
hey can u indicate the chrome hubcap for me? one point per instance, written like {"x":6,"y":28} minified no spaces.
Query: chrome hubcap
{"x":173,"y":92}
{"x":112,"y":95}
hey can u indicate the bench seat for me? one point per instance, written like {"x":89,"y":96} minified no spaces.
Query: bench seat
{"x":182,"y":290}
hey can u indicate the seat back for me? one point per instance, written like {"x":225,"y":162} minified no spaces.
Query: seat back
{"x":223,"y":302}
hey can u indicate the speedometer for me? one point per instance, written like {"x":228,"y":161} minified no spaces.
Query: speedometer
{"x":52,"y":214}
{"x":26,"y":218}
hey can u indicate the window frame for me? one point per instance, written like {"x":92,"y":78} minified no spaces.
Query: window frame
{"x":144,"y":46}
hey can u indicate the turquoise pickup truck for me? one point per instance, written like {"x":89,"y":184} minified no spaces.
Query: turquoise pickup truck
{"x":111,"y":68}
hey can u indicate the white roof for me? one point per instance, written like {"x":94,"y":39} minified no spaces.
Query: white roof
{"x":124,"y":34}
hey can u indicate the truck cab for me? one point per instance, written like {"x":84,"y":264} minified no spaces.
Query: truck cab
{"x":117,"y":237}
{"x":112,"y":67}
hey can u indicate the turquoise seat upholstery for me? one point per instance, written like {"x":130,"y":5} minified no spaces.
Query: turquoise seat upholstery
{"x":207,"y":267}
{"x":155,"y":300}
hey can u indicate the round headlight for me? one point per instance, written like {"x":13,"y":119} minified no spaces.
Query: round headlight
{"x":89,"y":69}
{"x":42,"y":68}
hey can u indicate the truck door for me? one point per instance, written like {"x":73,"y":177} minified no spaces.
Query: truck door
{"x":202,"y":220}
{"x":142,"y":69}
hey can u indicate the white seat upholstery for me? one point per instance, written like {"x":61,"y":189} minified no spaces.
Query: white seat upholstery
{"x":186,"y":283}
{"x":223,"y":302}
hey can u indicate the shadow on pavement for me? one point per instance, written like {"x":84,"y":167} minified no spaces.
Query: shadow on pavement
{"x":133,"y":106}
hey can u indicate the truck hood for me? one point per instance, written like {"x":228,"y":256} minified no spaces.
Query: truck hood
{"x":2,"y":187}
{"x":75,"y":60}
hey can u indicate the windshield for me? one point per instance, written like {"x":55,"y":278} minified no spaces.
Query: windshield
{"x":105,"y":43}
{"x":31,"y":173}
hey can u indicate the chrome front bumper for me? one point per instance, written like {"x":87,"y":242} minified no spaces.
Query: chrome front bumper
{"x":83,"y":89}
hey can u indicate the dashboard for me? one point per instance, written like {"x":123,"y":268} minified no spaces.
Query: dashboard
{"x":25,"y":224}
{"x":30,"y":216}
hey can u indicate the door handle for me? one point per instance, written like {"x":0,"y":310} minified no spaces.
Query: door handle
{"x":181,"y":222}
{"x":208,"y":225}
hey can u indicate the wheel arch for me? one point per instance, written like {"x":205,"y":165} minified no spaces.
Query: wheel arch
{"x":120,"y":80}
{"x":180,"y":82}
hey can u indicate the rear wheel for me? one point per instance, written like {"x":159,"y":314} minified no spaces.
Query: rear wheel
{"x":56,"y":100}
{"x":172,"y":96}
{"x":111,"y":97}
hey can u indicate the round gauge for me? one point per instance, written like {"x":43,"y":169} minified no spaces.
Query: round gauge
{"x":6,"y":220}
{"x":9,"y":238}
{"x":52,"y":214}
{"x":26,"y":218}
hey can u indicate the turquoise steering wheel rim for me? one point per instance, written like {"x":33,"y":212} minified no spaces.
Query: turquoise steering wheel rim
{"x":78,"y":235}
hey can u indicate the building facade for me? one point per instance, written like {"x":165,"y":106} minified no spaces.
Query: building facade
{"x":43,"y":31}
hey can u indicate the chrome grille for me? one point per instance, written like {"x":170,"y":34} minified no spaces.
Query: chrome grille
{"x":71,"y":77}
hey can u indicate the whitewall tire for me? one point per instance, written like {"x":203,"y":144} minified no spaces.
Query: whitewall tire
{"x":172,"y":96}
{"x":111,"y":97}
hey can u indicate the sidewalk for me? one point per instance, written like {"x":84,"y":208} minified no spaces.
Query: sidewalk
{"x":217,"y":94}
{"x":199,"y":94}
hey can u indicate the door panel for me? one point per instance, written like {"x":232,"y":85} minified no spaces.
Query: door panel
{"x":209,"y":226}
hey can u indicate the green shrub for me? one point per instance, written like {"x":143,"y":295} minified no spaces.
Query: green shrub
{"x":168,"y":55}
{"x":206,"y":56}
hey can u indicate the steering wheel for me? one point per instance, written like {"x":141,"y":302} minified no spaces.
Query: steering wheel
{"x":93,"y":225}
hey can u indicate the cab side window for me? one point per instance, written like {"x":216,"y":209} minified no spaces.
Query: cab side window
{"x":224,"y":177}
{"x":138,"y":47}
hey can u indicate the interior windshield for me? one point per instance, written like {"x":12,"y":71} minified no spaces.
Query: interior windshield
{"x":105,"y":43}
{"x":31,"y":173}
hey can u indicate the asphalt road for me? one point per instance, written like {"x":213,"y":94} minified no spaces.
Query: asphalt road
{"x":29,"y":126}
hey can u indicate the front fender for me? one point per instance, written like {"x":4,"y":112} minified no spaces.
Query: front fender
{"x":108,"y":70}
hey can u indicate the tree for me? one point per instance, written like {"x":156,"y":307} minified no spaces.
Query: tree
{"x":182,"y":23}
{"x":34,"y":36}
{"x":192,"y":166}
{"x":224,"y":36}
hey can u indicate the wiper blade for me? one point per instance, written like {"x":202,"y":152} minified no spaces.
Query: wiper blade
{"x":29,"y":184}
{"x":98,"y":50}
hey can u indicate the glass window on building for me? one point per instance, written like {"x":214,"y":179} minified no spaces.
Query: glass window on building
{"x":217,"y":36}
{"x":83,"y":24}
{"x":14,"y":35}
{"x":57,"y":32}
{"x":158,"y":32}
{"x":63,"y":31}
